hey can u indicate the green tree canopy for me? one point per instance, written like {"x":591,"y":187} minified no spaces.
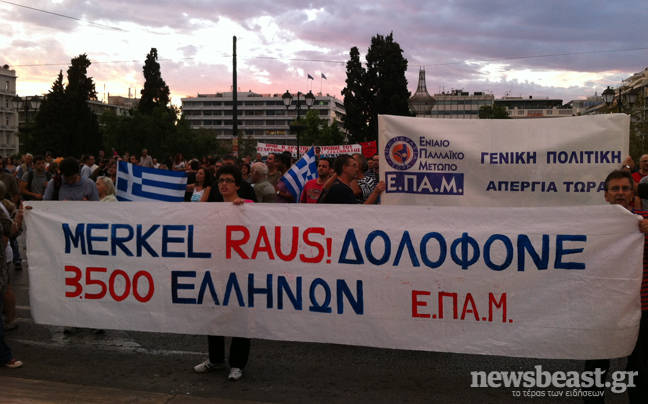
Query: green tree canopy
{"x":493,"y":112}
{"x":380,"y":88}
{"x":65,"y":124}
{"x":155,"y":92}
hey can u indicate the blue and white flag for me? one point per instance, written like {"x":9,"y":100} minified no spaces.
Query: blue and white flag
{"x":137,"y":184}
{"x":303,"y":170}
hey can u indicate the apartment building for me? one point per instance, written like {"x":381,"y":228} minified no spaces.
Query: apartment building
{"x":459,"y":104}
{"x":262,"y":116}
{"x":8,"y":115}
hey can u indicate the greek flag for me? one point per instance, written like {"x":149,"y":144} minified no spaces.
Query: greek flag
{"x":137,"y":184}
{"x":303,"y":170}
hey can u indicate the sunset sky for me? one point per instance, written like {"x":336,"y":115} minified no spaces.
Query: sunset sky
{"x":556,"y":49}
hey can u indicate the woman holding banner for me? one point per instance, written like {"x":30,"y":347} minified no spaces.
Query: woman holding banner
{"x":229,"y":181}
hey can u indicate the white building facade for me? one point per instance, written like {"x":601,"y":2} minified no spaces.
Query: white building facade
{"x":525,"y":108}
{"x":262,"y":116}
{"x":459,"y":104}
{"x":8,"y":116}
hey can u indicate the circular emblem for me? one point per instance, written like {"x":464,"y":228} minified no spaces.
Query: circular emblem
{"x":401,"y":153}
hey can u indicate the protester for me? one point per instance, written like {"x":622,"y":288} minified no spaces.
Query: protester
{"x":9,"y":301}
{"x":202,"y":187}
{"x":337,"y":189}
{"x":179,"y":163}
{"x":34,"y":182}
{"x":246,"y":191}
{"x":265,"y":192}
{"x":106,"y":190}
{"x":192,"y":168}
{"x":283,"y":162}
{"x":313,"y":188}
{"x":374,"y":172}
{"x":8,"y":227}
{"x":112,"y":171}
{"x":273,"y":172}
{"x":643,"y":169}
{"x":229,"y":181}
{"x":13,"y":193}
{"x":88,"y":162}
{"x":146,"y":160}
{"x":619,"y":190}
{"x":363,"y":186}
{"x":9,"y":166}
{"x":69,"y":185}
{"x":25,"y":167}
{"x":245,"y":172}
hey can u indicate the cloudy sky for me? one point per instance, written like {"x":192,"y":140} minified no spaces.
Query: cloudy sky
{"x":552,"y":48}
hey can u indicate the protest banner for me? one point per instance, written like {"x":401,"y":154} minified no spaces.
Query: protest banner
{"x":369,"y":149}
{"x":500,"y":162}
{"x":323,"y":151}
{"x":525,"y":282}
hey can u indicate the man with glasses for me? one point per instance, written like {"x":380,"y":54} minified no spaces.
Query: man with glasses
{"x":346,"y":169}
{"x":245,"y":191}
{"x":619,"y":190}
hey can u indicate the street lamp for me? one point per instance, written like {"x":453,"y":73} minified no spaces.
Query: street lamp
{"x":287,"y":99}
{"x":630,"y":97}
{"x":26,"y":105}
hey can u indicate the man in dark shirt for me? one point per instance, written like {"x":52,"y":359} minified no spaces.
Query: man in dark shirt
{"x":346,"y":169}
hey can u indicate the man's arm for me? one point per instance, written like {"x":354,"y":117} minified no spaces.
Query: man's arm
{"x":380,"y":187}
{"x":24,"y":191}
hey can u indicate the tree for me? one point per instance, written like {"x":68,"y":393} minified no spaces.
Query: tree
{"x":155,"y":92}
{"x":381,"y":88}
{"x":65,"y":124}
{"x":493,"y":112}
{"x":356,"y":112}
{"x":638,"y":130}
{"x":315,"y":130}
{"x":386,"y":69}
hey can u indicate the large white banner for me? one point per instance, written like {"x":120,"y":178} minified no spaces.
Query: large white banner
{"x":500,"y":162}
{"x":529,"y":282}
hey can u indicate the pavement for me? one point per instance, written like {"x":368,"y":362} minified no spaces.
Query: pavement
{"x":15,"y":390}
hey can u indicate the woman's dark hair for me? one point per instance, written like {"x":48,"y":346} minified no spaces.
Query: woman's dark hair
{"x":230,"y":169}
{"x":209,"y":178}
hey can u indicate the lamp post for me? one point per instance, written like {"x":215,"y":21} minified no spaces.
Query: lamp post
{"x":630,"y":97}
{"x":287,"y":99}
{"x":26,"y":105}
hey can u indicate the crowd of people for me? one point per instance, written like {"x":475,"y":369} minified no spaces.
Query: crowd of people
{"x":210,"y":179}
{"x":349,"y":179}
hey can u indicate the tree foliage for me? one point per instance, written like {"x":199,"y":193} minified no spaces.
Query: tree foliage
{"x":493,"y":112}
{"x":65,"y":124}
{"x":380,"y":88}
{"x":315,"y":130}
{"x":155,"y":92}
{"x":154,"y":125}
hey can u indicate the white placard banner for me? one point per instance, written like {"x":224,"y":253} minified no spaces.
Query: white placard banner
{"x":529,"y":282}
{"x":323,"y":151}
{"x":500,"y":162}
